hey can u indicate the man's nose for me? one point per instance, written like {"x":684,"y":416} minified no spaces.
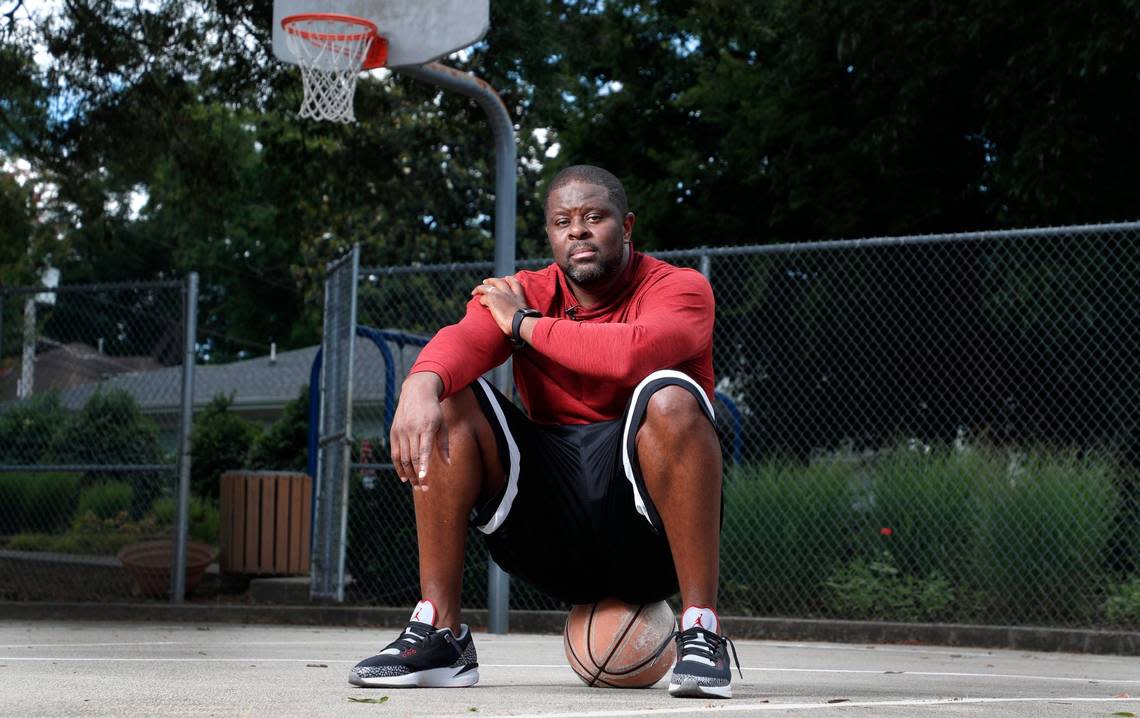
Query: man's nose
{"x":578,"y":227}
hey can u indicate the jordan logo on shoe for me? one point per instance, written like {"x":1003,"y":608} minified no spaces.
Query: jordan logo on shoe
{"x":698,"y":621}
{"x":416,"y":616}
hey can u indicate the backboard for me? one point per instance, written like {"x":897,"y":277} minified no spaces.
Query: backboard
{"x":418,"y":31}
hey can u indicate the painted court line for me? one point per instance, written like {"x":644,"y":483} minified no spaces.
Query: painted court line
{"x":864,"y":671}
{"x":560,"y":666}
{"x":91,"y":645}
{"x":727,"y":707}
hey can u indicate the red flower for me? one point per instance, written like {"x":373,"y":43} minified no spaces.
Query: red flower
{"x":886,"y":531}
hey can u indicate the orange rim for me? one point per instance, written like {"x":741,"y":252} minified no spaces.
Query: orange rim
{"x":377,"y":53}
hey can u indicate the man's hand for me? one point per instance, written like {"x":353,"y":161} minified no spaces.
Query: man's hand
{"x":503,"y":296}
{"x":416,"y":427}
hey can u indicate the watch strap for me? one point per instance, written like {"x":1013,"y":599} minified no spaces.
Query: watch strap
{"x":516,"y":324}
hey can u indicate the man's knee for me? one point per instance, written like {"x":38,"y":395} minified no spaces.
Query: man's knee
{"x":673,"y":411}
{"x":461,"y":409}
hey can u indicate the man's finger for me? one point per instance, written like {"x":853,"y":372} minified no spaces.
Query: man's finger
{"x":424,"y":456}
{"x":407,"y":458}
{"x":394,"y":442}
{"x":444,"y":449}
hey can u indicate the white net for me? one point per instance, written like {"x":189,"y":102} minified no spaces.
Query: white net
{"x":330,"y":53}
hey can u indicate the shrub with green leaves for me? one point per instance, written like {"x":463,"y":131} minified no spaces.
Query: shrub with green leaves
{"x":923,"y":507}
{"x":284,"y":446}
{"x":106,"y":500}
{"x":873,"y":588}
{"x":29,"y":429}
{"x":1042,"y":529}
{"x":219,"y":442}
{"x":110,"y":429}
{"x":791,"y":523}
{"x":204,"y":518}
{"x":89,"y":534}
{"x":37,"y":501}
{"x":1123,"y":604}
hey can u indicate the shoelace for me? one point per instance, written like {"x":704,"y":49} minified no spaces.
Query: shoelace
{"x":414,"y":634}
{"x":704,"y":644}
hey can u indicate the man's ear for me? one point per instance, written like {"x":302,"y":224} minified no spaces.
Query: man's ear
{"x":627,"y":227}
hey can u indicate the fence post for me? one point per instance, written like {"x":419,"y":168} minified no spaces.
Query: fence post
{"x":24,"y":386}
{"x":182,"y":524}
{"x":330,"y":485}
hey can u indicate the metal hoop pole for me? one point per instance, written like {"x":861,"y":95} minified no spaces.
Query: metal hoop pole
{"x":506,"y":193}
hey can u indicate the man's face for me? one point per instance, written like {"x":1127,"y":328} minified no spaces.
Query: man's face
{"x":588,"y":236}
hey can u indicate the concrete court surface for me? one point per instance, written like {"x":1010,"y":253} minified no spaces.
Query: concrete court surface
{"x":50,"y":668}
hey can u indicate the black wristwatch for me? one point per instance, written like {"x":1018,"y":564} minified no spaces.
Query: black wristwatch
{"x":516,"y":324}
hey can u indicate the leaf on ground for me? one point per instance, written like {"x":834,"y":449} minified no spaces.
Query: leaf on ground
{"x":1126,"y":714}
{"x":1122,"y":695}
{"x":892,"y":673}
{"x":381,"y":699}
{"x":316,"y":665}
{"x":472,"y":709}
{"x":839,"y":700}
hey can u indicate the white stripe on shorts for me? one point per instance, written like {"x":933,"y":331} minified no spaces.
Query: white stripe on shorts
{"x":626,"y":460}
{"x":512,"y":490}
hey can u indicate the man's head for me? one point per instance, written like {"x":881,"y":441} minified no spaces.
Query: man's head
{"x":589,"y":225}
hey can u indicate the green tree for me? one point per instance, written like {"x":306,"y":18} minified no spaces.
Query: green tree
{"x":730,"y":122}
{"x":30,"y":428}
{"x":219,"y":442}
{"x":110,"y":430}
{"x":284,"y":446}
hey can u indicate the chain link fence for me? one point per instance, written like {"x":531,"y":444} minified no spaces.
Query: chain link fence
{"x":937,"y":428}
{"x":90,"y":408}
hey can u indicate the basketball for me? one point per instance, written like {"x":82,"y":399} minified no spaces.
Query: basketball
{"x":620,"y":645}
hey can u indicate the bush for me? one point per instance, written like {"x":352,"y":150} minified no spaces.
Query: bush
{"x":1123,"y":605}
{"x":92,"y":535}
{"x":923,"y":533}
{"x":111,"y":430}
{"x":105,"y":501}
{"x":219,"y":441}
{"x":29,"y":429}
{"x":204,"y":518}
{"x":923,"y":508}
{"x":1042,"y":528}
{"x":791,"y":524}
{"x":37,"y":501}
{"x":284,"y":446}
{"x":875,"y":589}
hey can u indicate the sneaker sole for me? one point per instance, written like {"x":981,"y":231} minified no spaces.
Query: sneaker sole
{"x":689,"y":688}
{"x":432,"y":678}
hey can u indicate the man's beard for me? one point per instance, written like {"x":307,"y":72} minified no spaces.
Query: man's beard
{"x":593,"y":274}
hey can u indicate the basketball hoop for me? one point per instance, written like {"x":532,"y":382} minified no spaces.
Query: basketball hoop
{"x":332,"y":50}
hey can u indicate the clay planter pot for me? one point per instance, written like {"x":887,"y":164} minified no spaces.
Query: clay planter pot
{"x":149,"y":563}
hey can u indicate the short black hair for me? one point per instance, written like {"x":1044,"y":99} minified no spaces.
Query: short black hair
{"x":591,"y":175}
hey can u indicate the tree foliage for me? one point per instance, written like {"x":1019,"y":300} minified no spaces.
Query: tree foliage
{"x":219,"y":442}
{"x":730,"y":123}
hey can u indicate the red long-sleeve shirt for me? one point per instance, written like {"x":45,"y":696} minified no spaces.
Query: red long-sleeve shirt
{"x":583,"y":364}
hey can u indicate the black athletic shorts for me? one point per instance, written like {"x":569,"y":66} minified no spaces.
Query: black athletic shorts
{"x":574,"y":518}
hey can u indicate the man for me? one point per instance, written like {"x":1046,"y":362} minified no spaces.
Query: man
{"x":610,"y":485}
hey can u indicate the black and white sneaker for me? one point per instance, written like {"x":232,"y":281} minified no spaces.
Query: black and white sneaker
{"x":702,"y":669}
{"x":422,"y":657}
